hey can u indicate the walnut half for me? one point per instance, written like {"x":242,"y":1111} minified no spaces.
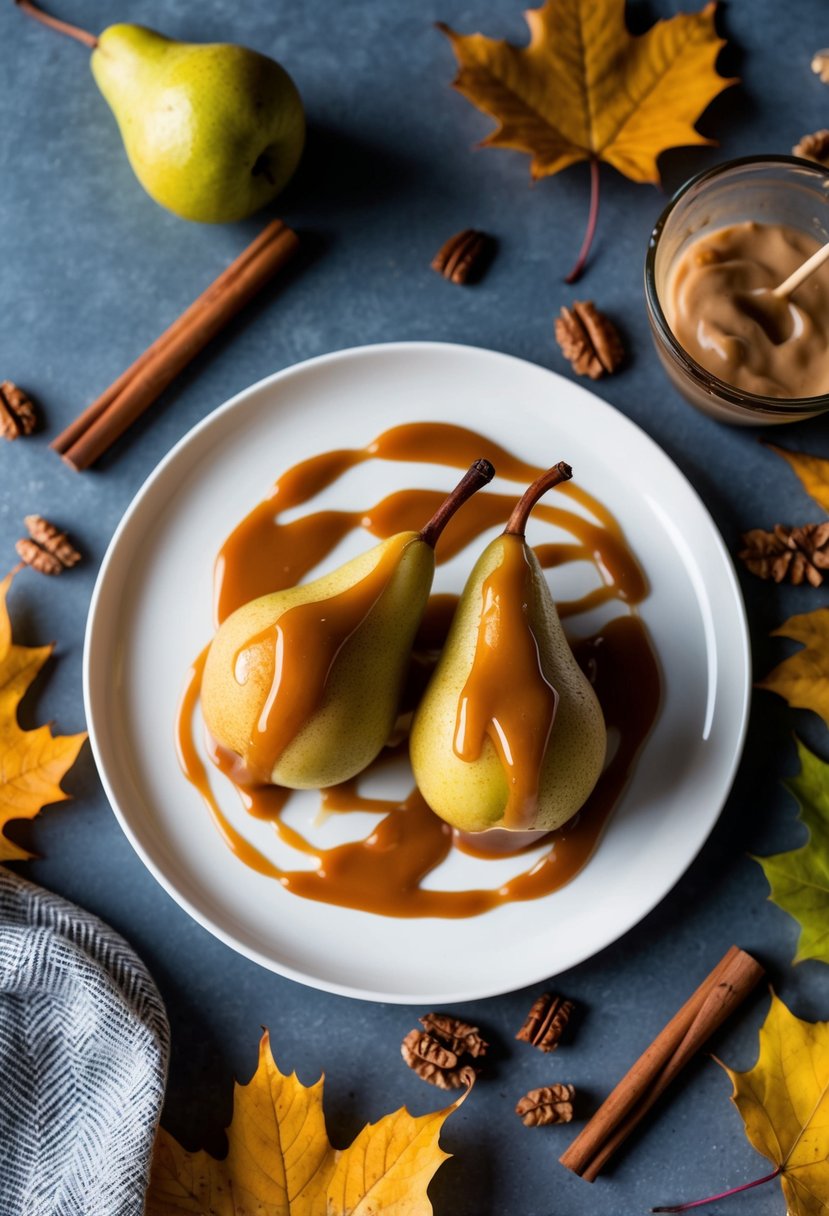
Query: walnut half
{"x":441,"y":1053}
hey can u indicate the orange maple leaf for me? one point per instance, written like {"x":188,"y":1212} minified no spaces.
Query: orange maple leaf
{"x":280,"y":1163}
{"x":586,"y":89}
{"x":32,"y":762}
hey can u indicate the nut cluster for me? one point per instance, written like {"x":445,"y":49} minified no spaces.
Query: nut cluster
{"x":589,"y":340}
{"x":442,"y":1052}
{"x":17,"y":412}
{"x":465,"y":256}
{"x":796,"y":555}
{"x":546,"y":1022}
{"x":46,"y":549}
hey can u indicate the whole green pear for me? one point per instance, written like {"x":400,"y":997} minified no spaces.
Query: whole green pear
{"x":473,"y":794}
{"x":213,"y":132}
{"x":349,"y":717}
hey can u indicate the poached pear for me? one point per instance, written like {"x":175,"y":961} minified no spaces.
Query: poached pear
{"x":304,"y":684}
{"x":509,"y":733}
{"x":213,"y":131}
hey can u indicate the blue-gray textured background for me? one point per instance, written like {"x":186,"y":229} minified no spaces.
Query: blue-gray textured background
{"x":91,"y":270}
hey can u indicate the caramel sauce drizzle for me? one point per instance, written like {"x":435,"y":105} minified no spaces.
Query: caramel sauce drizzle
{"x":507,"y":698}
{"x":301,"y":649}
{"x":383,"y":872}
{"x":263,"y":555}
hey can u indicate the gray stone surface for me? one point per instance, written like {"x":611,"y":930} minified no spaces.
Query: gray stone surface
{"x":91,"y":270}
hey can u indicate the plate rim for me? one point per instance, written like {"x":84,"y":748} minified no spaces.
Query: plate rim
{"x":205,"y":920}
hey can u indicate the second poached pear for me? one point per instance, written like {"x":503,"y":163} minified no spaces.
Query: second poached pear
{"x":474,"y":792}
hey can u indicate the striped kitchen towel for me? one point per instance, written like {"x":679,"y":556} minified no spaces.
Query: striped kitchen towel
{"x":83,"y":1058}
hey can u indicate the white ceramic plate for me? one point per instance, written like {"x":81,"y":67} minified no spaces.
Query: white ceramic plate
{"x":151,"y":614}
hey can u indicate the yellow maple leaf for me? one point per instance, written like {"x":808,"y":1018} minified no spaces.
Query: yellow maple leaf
{"x":32,"y":762}
{"x":280,"y":1163}
{"x":784,"y":1103}
{"x":813,"y":472}
{"x":803,"y":678}
{"x":586,"y":89}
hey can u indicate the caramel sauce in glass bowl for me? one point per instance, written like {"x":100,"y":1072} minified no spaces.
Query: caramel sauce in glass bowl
{"x":732,"y":352}
{"x":721,"y":307}
{"x":384,"y":873}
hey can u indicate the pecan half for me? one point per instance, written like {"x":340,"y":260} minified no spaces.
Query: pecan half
{"x":589,"y":340}
{"x":17,"y":412}
{"x":546,"y":1022}
{"x":37,"y":558}
{"x":434,"y":1063}
{"x":796,"y":555}
{"x":49,"y":550}
{"x":52,"y":540}
{"x":456,"y":1034}
{"x":814,"y":147}
{"x":465,"y":256}
{"x":549,"y":1104}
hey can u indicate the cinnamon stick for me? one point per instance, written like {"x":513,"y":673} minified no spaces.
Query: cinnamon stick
{"x":105,"y":420}
{"x":717,"y":996}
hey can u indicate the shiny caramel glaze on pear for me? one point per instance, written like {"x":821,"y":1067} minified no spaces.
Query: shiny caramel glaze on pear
{"x":304,"y":684}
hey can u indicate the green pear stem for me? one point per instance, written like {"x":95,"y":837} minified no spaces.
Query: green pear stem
{"x":54,"y":23}
{"x":476,"y":476}
{"x":517,"y":522}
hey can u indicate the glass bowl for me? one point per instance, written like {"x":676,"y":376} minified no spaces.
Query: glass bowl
{"x":770,"y":190}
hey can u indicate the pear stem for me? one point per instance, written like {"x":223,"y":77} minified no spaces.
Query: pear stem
{"x":54,"y":23}
{"x":517,"y":522}
{"x":477,"y":475}
{"x":735,"y":1190}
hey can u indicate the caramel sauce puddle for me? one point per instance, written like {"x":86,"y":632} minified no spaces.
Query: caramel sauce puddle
{"x":384,"y":872}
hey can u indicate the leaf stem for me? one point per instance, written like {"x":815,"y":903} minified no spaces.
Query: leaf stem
{"x":54,"y":23}
{"x":735,"y":1190}
{"x":592,"y":218}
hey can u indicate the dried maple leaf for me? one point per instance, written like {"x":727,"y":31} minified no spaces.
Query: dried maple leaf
{"x":586,"y":89}
{"x":280,"y":1163}
{"x":32,"y":762}
{"x":803,"y":678}
{"x":799,"y":879}
{"x":784,"y":1103}
{"x":812,"y":471}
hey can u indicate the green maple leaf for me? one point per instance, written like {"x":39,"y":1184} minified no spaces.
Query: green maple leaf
{"x":799,"y":879}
